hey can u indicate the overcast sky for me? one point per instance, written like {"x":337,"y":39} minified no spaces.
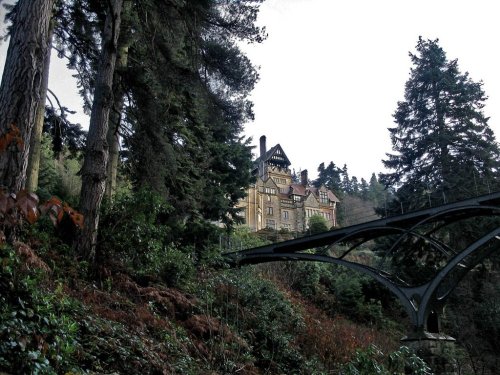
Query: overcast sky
{"x":333,"y":71}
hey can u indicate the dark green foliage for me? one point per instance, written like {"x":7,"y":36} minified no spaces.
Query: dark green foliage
{"x":58,"y":175}
{"x":44,"y":331}
{"x":330,"y":177}
{"x":112,"y":346}
{"x":358,"y":199}
{"x":338,"y":290}
{"x":187,"y":86}
{"x":305,"y":277}
{"x":261,"y":314}
{"x":64,"y":134}
{"x":364,"y":190}
{"x":136,"y":230}
{"x":444,"y":151}
{"x":38,"y":334}
{"x":472,"y":317}
{"x":364,"y":299}
{"x":347,"y":289}
{"x":443,"y":147}
{"x":373,"y":362}
{"x":77,"y":32}
{"x":317,"y":224}
{"x":190,"y":103}
{"x":376,"y":192}
{"x":346,"y":181}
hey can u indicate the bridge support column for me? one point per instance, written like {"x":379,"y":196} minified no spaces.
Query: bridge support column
{"x":436,"y":349}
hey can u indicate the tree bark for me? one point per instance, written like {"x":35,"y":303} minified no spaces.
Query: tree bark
{"x":113,"y":139}
{"x":96,"y":155}
{"x":33,"y":168}
{"x":21,"y":85}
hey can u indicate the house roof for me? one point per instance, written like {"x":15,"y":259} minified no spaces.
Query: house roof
{"x":298,"y":189}
{"x":274,"y":156}
{"x":332,"y":196}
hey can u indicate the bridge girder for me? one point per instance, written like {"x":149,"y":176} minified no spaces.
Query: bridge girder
{"x":418,"y":299}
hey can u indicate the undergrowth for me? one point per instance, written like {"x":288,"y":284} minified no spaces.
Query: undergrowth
{"x":156,"y":306}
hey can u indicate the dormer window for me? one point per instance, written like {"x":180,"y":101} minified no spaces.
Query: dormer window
{"x":323,"y":197}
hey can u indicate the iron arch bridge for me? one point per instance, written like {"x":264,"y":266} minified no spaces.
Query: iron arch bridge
{"x":422,"y":255}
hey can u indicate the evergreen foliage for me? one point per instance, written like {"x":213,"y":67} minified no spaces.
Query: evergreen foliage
{"x":330,"y":176}
{"x":444,"y":150}
{"x":346,"y":181}
{"x":190,"y":103}
{"x":186,"y":85}
{"x":358,"y":199}
{"x":65,"y":135}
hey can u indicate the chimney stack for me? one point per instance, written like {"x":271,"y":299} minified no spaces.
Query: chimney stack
{"x":303,"y":177}
{"x":263,"y":145}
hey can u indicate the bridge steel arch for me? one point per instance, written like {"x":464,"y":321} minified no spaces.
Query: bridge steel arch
{"x":419,"y":299}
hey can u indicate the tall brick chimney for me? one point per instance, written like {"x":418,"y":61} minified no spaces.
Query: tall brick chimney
{"x":263,"y":145}
{"x":303,"y":177}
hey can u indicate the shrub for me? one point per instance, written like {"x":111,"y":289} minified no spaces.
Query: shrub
{"x":260,"y":314}
{"x":317,"y":224}
{"x":371,"y":361}
{"x":38,"y":333}
{"x":133,"y":228}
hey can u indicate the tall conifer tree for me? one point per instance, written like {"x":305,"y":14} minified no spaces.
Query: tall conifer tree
{"x":96,"y":154}
{"x":443,"y":147}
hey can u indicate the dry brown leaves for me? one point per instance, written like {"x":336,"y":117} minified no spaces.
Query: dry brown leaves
{"x":30,"y":259}
{"x":13,"y":136}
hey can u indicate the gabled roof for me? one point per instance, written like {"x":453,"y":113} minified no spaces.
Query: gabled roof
{"x":332,"y":196}
{"x":274,"y":156}
{"x":298,"y":189}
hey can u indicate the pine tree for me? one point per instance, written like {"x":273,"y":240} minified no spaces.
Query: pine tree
{"x":443,"y":147}
{"x":346,"y":181}
{"x":364,"y":189}
{"x":354,"y":185}
{"x":376,"y":191}
{"x":444,"y":151}
{"x":190,"y":104}
{"x":330,"y":177}
{"x":186,"y":83}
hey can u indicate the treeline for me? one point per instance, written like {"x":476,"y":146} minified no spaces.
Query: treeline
{"x":359,"y":199}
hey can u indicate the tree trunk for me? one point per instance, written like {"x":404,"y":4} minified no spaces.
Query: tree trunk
{"x":96,"y":155}
{"x":113,"y":136}
{"x":113,"y":139}
{"x":21,"y":88}
{"x":36,"y":136}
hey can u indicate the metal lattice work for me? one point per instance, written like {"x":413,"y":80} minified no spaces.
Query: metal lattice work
{"x":423,"y":254}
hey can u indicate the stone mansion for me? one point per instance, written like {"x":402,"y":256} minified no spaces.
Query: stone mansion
{"x":275,"y":201}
